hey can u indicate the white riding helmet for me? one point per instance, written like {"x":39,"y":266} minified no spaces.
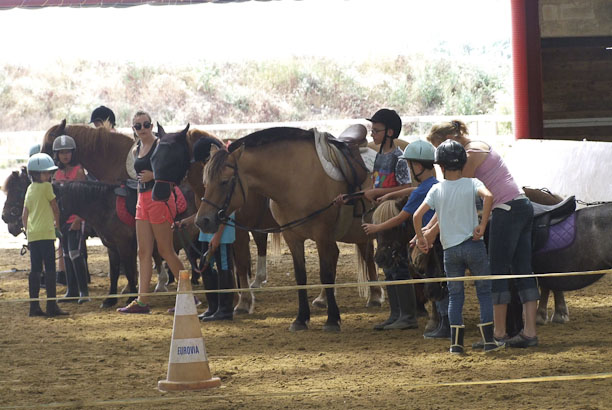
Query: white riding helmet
{"x":419,"y":151}
{"x":63,"y":142}
{"x":41,"y":162}
{"x":34,"y":149}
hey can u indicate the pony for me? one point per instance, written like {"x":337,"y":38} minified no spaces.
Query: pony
{"x":255,"y":213}
{"x":105,"y":153}
{"x":14,"y":188}
{"x":282,"y":164}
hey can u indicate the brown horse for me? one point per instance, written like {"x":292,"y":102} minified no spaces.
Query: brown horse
{"x":282,"y":164}
{"x":103,"y":153}
{"x":255,"y":213}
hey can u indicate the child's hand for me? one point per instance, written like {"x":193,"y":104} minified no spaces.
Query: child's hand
{"x":370,"y":195}
{"x":422,"y":244}
{"x":478,"y":232}
{"x":76,"y":225}
{"x":339,"y":200}
{"x":385,"y":197}
{"x":370,"y":228}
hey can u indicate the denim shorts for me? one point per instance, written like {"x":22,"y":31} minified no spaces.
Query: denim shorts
{"x":510,"y":250}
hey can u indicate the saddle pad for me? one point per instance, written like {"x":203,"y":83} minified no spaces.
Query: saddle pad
{"x":333,"y":161}
{"x":560,"y":235}
{"x":129,"y":163}
{"x":181,"y":202}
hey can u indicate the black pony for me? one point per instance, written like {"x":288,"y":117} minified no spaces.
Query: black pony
{"x":170,"y":162}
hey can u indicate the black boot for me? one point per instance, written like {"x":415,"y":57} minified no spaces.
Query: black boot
{"x":226,"y":300}
{"x":61,"y":276}
{"x":211,"y":282}
{"x":489,"y":342}
{"x":441,"y":332}
{"x":52,"y":307}
{"x":393,"y":305}
{"x":34,"y":289}
{"x":42,"y":280}
{"x":72,"y":286}
{"x":80,"y":269}
{"x":407,"y":309}
{"x":457,"y":332}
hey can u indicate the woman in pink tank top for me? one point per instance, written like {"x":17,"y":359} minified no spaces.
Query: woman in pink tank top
{"x":64,"y":152}
{"x":509,"y":230}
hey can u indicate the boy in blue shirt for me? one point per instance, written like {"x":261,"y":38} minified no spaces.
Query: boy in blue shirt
{"x":454,"y":201}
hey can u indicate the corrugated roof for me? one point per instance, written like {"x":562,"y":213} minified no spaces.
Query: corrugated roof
{"x":35,"y":4}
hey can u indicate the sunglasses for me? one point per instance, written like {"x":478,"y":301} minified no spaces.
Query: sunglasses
{"x":138,"y":126}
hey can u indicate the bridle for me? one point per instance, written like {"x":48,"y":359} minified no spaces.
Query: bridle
{"x":222,"y":210}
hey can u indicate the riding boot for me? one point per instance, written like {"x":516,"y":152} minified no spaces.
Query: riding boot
{"x":61,"y":276}
{"x":407,"y":309}
{"x":457,"y":332}
{"x":211,"y":282}
{"x":42,"y":280}
{"x":226,"y":300}
{"x":441,"y":332}
{"x":52,"y":307}
{"x":393,"y":305}
{"x":34,"y":289}
{"x":80,"y":269}
{"x":72,"y":286}
{"x":489,"y":342}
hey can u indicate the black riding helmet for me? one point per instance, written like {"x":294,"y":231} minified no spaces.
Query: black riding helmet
{"x":391,"y":120}
{"x":451,"y":155}
{"x":102,"y":114}
{"x":201,"y":148}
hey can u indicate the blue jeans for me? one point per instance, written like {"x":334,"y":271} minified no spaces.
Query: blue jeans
{"x":510,"y":251}
{"x":470,"y":255}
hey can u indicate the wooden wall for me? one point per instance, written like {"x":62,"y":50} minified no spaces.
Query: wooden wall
{"x":577,"y":88}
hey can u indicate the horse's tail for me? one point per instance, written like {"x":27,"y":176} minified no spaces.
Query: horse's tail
{"x":275,"y":244}
{"x":362,"y":272}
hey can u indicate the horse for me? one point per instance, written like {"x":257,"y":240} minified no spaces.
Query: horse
{"x":282,"y":164}
{"x":255,"y":213}
{"x":104,"y":153}
{"x":14,"y":188}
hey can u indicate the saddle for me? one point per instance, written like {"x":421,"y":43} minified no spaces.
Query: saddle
{"x":127,"y":197}
{"x":341,"y":157}
{"x":549,"y":219}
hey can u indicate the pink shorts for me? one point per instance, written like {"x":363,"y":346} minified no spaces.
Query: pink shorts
{"x":156,"y":212}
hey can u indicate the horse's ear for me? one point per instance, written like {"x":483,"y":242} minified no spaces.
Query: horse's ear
{"x":185,"y":130}
{"x":62,"y":127}
{"x":160,"y":130}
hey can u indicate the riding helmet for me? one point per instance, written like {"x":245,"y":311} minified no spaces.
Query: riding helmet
{"x":102,"y":114}
{"x":201,"y":148}
{"x":451,"y":155}
{"x":34,"y":149}
{"x":391,"y":120}
{"x":63,"y":142}
{"x":41,"y":162}
{"x":419,"y":150}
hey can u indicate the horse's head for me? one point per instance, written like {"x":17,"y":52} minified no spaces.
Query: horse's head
{"x":170,"y":161}
{"x":50,"y":136}
{"x":225,"y":189}
{"x":15,"y":188}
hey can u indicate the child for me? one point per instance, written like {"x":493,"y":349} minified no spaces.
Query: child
{"x":420,"y":157}
{"x":454,"y":201}
{"x":40,"y":211}
{"x":73,"y":244}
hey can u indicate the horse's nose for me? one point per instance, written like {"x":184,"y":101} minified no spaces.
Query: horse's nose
{"x":204,"y":223}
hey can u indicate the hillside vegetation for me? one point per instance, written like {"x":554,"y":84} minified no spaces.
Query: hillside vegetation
{"x":251,"y":91}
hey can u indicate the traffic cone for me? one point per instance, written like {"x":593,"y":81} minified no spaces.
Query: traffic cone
{"x":188,"y":365}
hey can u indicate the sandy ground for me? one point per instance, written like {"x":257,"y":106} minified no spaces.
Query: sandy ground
{"x":99,"y":358}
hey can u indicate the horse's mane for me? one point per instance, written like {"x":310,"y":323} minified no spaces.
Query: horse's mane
{"x":384,"y":212}
{"x":12,"y":180}
{"x":215,"y":164}
{"x":81,"y":191}
{"x":270,"y":135}
{"x":100,"y":140}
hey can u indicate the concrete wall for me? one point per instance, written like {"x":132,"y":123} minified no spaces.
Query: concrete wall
{"x":575,"y":18}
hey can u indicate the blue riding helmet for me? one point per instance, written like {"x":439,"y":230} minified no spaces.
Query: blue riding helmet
{"x":41,"y":162}
{"x":34,"y":149}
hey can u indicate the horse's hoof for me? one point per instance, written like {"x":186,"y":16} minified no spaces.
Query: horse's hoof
{"x":560,"y":318}
{"x":331,"y":327}
{"x":108,"y":303}
{"x":541,"y":318}
{"x":161,"y":288}
{"x":319,"y":303}
{"x":297,"y":326}
{"x":257,"y":283}
{"x":242,"y":309}
{"x":431,"y":326}
{"x":373,"y":303}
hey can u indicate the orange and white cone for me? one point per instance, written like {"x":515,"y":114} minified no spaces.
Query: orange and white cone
{"x":188,"y":365}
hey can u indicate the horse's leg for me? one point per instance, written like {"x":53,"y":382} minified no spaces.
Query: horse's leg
{"x":261,"y":275}
{"x":114,"y":262}
{"x":242,"y":260}
{"x":542,"y":313}
{"x":366,"y":252}
{"x":296,"y":246}
{"x":162,"y":273}
{"x":561,"y":314}
{"x":328,"y":260}
{"x":434,"y":318}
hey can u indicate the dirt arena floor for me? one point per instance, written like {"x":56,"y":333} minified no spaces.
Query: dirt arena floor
{"x":100,"y":358}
